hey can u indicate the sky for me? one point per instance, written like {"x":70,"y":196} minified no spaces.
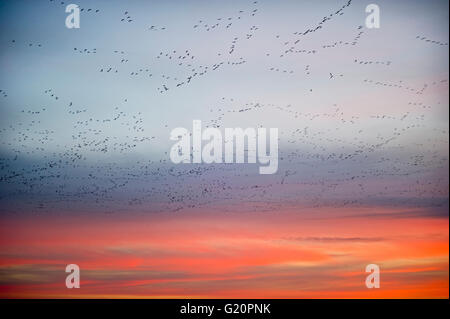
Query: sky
{"x":86,"y":177}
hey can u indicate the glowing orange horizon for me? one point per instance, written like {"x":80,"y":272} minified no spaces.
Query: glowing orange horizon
{"x":206,"y":255}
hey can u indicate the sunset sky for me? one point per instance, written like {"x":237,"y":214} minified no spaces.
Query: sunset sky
{"x":86,"y":178}
{"x":206,"y":255}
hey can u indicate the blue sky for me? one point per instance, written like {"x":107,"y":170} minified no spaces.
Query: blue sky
{"x":102,"y":142}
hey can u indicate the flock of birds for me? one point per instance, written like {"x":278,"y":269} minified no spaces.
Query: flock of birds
{"x":101,"y":167}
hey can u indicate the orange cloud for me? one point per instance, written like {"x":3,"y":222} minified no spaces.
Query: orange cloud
{"x":282,"y":255}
